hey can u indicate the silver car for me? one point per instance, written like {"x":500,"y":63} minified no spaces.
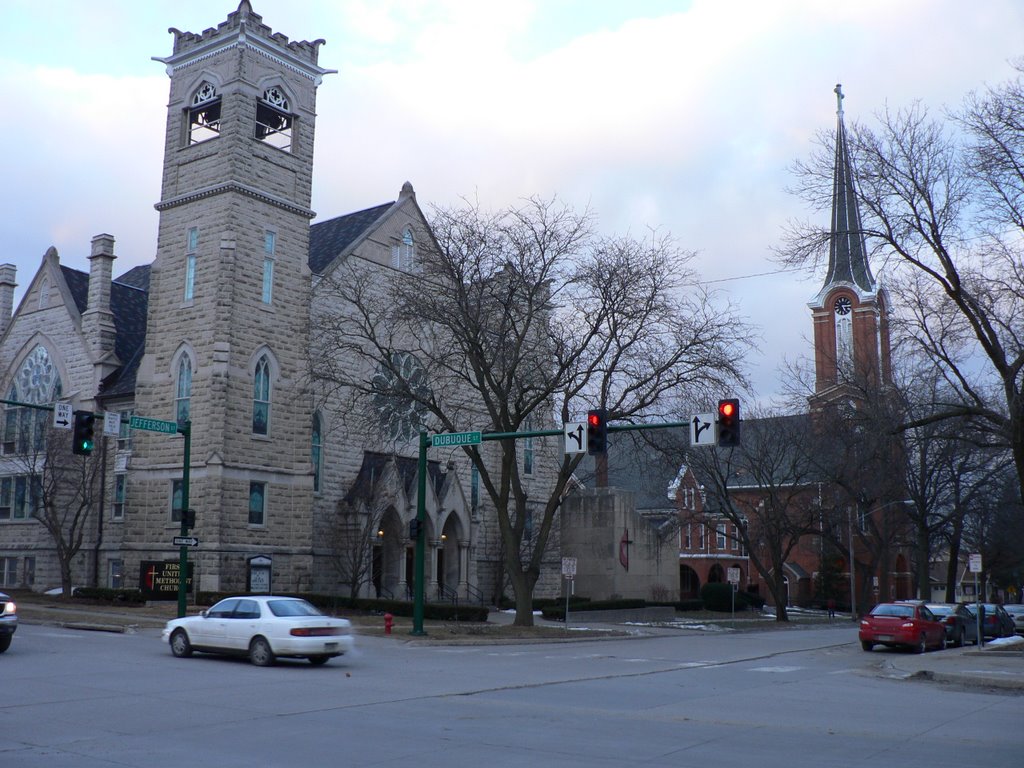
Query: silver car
{"x":1016,"y":611}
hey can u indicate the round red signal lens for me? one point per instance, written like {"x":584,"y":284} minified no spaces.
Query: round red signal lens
{"x":593,"y":419}
{"x":726,"y":409}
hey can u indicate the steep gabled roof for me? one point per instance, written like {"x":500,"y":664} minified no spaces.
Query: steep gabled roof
{"x":329,"y":238}
{"x":372,"y":469}
{"x":645,"y":464}
{"x":128,"y":304}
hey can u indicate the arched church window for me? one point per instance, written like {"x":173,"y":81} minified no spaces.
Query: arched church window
{"x":183,"y":393}
{"x":204,"y":114}
{"x":316,"y":451}
{"x":403,"y":252}
{"x":844,"y":335}
{"x":274,"y":120}
{"x":37,"y":382}
{"x":261,"y":397}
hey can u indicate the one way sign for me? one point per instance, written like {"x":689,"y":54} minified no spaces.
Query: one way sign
{"x":703,"y":432}
{"x":62,"y":415}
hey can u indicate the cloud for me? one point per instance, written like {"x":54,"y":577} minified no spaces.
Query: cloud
{"x":682,"y":117}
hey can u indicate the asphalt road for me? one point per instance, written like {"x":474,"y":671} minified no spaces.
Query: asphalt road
{"x":789,"y":698}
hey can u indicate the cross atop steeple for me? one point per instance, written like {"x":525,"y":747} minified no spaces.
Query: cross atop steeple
{"x":847,"y":258}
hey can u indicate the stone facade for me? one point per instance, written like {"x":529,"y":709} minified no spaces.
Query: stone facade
{"x":619,"y":553}
{"x":218,"y":329}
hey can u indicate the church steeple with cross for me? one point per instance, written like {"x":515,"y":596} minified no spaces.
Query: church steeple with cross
{"x":851,"y":336}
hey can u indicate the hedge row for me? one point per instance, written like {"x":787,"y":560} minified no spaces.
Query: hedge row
{"x":719,"y":596}
{"x":131,"y":597}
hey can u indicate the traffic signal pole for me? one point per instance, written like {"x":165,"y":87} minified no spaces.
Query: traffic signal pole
{"x":419,"y":556}
{"x":426,"y":441}
{"x":185,"y":428}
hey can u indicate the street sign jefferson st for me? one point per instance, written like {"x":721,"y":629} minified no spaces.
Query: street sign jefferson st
{"x":154,"y":425}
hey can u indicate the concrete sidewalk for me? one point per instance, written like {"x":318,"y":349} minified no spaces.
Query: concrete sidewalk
{"x":995,"y":665}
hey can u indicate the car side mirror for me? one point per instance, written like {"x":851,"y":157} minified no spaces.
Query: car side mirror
{"x":203,"y":613}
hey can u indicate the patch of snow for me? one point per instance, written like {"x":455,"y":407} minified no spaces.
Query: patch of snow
{"x":1006,"y":641}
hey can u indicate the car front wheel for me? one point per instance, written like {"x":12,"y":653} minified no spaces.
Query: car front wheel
{"x":260,"y":653}
{"x":5,"y":642}
{"x":180,"y":645}
{"x":959,"y":642}
{"x":922,"y":644}
{"x":867,"y":645}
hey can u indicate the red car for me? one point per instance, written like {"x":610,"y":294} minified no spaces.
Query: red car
{"x":910,"y":625}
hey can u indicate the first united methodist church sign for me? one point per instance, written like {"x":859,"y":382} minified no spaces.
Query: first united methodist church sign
{"x":158,"y":579}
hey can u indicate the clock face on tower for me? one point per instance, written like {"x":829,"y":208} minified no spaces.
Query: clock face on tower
{"x":843,"y":305}
{"x":398,"y":390}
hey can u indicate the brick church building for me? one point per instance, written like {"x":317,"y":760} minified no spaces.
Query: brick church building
{"x":851,"y":357}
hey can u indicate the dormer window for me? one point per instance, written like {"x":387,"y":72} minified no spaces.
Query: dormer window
{"x":274,"y":120}
{"x":204,"y":114}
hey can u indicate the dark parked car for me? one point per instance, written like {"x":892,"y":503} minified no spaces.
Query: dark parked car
{"x":8,"y":621}
{"x":961,"y":626}
{"x":996,"y":621}
{"x":910,"y":625}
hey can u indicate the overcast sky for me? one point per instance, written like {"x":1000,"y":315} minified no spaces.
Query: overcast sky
{"x":679,"y":116}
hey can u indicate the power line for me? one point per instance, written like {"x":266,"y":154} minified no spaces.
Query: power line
{"x":747,"y":277}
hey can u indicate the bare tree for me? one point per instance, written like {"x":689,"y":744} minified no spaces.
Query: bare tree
{"x":943,"y":201}
{"x":767,"y":488}
{"x":350,"y":538}
{"x":522,"y":318}
{"x":61,"y":488}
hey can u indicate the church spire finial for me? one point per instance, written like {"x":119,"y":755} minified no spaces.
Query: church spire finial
{"x":848,"y":255}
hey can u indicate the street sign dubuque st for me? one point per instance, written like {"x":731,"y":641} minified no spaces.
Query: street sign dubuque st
{"x":455,"y":439}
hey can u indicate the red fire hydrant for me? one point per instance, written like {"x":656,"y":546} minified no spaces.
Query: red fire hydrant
{"x":389,"y":622}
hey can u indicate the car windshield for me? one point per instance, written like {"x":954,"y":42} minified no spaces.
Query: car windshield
{"x":941,"y":610}
{"x":902,"y":611}
{"x":292,"y":608}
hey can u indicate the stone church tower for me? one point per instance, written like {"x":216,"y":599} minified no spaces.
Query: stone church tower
{"x":851,"y":333}
{"x":227,"y":330}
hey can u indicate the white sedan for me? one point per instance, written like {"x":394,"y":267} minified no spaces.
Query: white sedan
{"x":261,"y":627}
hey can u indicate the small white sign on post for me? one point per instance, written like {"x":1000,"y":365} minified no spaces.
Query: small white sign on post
{"x":703,"y":430}
{"x":974,"y":562}
{"x":732,"y":575}
{"x":569,"y":567}
{"x":575,"y":437}
{"x":111,"y":423}
{"x":62,"y":415}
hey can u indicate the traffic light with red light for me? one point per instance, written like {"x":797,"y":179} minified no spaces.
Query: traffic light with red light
{"x":728,"y":423}
{"x":82,"y":438}
{"x":597,"y":431}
